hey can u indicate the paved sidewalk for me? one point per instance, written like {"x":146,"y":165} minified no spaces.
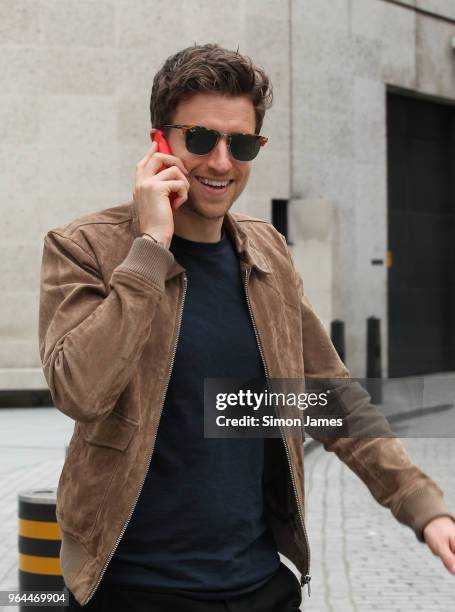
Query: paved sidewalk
{"x":362,"y":558}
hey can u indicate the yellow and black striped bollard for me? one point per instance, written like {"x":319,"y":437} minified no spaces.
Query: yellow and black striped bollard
{"x":39,"y":545}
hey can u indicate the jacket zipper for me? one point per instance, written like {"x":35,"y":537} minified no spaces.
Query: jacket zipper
{"x":305,"y":578}
{"x":185,"y":281}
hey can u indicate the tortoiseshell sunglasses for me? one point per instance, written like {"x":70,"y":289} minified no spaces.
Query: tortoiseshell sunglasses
{"x":200,"y":141}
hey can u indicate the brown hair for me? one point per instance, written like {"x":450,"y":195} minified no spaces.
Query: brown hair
{"x":208,"y":68}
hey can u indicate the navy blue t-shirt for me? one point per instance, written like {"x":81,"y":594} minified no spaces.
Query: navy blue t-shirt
{"x":198,"y":526}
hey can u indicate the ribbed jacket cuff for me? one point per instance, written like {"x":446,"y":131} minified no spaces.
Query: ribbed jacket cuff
{"x":148,"y":259}
{"x":420,"y":508}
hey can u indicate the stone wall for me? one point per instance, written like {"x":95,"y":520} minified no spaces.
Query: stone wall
{"x":75,"y":85}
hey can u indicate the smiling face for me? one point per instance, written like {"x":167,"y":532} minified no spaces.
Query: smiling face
{"x":225,"y":114}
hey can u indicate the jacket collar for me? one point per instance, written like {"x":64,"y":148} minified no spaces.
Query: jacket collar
{"x":247,"y":249}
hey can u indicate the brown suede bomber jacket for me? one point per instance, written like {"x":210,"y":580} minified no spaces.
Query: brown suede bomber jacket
{"x":111,"y":304}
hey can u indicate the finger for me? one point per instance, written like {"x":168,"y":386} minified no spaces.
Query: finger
{"x":452,"y":543}
{"x":164,"y":159}
{"x":448,"y":558}
{"x":178,"y":187}
{"x":175,"y":204}
{"x":173,"y":173}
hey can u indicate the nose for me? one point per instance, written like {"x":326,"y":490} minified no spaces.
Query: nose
{"x":219,"y":158}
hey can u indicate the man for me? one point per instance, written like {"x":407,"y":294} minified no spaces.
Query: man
{"x":140,"y":303}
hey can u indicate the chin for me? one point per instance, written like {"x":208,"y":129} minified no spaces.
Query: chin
{"x":209,"y":210}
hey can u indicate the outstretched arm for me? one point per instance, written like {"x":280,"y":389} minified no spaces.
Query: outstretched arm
{"x":382,"y":463}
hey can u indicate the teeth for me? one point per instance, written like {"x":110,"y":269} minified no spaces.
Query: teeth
{"x":212,"y":183}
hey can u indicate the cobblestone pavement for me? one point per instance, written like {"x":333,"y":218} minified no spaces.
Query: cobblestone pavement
{"x":362,"y":558}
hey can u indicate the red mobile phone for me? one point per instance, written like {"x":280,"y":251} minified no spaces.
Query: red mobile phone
{"x":163,"y":147}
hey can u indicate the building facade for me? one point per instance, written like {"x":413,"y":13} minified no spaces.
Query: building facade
{"x":352,"y":78}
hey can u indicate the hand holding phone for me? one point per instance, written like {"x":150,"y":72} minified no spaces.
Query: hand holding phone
{"x":161,"y":187}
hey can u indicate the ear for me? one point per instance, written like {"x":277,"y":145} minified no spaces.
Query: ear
{"x":152,"y":131}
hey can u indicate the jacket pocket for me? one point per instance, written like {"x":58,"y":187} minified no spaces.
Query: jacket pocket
{"x":115,"y":431}
{"x":93,"y":460}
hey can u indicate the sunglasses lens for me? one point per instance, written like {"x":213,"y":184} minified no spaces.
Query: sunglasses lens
{"x":244,"y":147}
{"x":200,"y":141}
